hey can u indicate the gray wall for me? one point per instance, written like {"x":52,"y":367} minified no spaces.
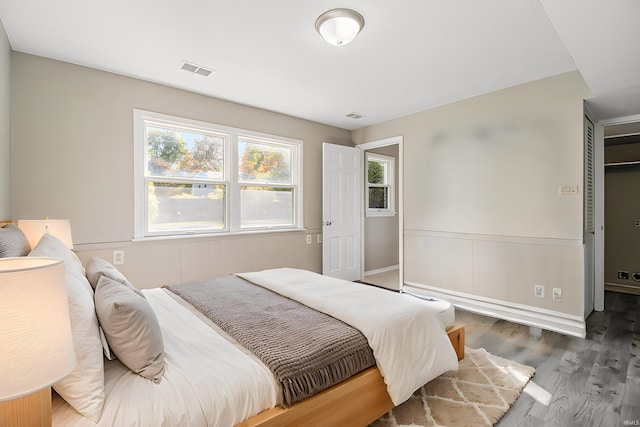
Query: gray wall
{"x":72,"y":157}
{"x":5,"y":128}
{"x":381,"y":233}
{"x":622,"y":208}
{"x":483,"y":216}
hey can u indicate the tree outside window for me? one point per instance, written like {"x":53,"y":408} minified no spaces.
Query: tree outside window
{"x":186,"y":183}
{"x":380,"y":188}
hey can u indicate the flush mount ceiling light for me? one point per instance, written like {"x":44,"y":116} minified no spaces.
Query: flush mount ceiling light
{"x":339,"y":26}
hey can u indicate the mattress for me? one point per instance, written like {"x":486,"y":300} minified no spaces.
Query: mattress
{"x":208,"y":381}
{"x":398,"y":327}
{"x":187,"y":395}
{"x":445,"y":310}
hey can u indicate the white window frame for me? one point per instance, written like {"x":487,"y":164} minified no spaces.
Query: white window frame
{"x":142,"y":118}
{"x":390,"y":185}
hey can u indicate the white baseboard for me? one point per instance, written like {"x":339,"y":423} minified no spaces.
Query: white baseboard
{"x":382,"y":270}
{"x":518,"y":313}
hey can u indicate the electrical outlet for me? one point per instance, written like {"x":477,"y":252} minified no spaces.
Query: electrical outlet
{"x":557,"y":294}
{"x":309,"y":236}
{"x":538,"y":291}
{"x":118,"y":257}
{"x":624,"y":275}
{"x":319,"y":238}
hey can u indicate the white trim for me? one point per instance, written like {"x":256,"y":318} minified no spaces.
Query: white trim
{"x":205,"y":236}
{"x":382,"y":270}
{"x":598,"y":227}
{"x":528,"y":315}
{"x":620,"y":120}
{"x":381,"y":143}
{"x":546,"y":241}
{"x":139,"y":197}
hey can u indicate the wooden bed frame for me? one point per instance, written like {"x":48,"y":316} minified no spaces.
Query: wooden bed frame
{"x":358,"y":401}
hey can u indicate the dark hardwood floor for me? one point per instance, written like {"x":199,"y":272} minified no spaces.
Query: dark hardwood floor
{"x":593,"y":381}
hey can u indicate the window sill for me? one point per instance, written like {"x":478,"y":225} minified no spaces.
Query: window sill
{"x":380,"y":213}
{"x":219,"y":235}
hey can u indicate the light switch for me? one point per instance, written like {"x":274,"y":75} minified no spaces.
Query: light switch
{"x":568,"y":189}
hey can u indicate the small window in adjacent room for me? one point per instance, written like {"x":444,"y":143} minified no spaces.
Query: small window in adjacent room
{"x":196,"y":177}
{"x":380,"y":192}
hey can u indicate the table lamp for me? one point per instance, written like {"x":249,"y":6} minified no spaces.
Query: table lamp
{"x":36,"y":349}
{"x":35,"y":228}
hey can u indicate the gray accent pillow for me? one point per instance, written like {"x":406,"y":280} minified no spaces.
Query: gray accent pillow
{"x":13,"y":242}
{"x":98,"y":267}
{"x":131,"y":328}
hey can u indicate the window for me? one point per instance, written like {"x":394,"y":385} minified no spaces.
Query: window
{"x":195,"y":177}
{"x":380,"y":192}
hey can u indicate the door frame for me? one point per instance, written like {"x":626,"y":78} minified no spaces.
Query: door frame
{"x":599,"y":203}
{"x":399,"y":140}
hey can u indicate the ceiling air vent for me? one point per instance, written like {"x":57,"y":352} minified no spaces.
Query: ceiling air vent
{"x":195,"y":69}
{"x":354,"y":116}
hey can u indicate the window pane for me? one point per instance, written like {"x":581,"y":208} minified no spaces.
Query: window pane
{"x":184,"y":154}
{"x":266,"y":207}
{"x":180,"y":207}
{"x":264,"y":163}
{"x":376,"y":172}
{"x":378,"y":198}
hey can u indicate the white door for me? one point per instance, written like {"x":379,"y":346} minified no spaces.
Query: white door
{"x":341,"y":211}
{"x":589,"y":217}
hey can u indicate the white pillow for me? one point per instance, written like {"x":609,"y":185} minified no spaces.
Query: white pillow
{"x":83,"y":388}
{"x":98,"y":267}
{"x":131,"y":328}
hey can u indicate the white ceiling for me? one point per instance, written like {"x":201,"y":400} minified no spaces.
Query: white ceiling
{"x":412,"y":55}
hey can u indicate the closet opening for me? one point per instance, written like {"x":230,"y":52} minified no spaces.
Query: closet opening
{"x":622,"y":208}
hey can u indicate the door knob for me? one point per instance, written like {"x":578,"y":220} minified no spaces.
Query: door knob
{"x":327,"y":223}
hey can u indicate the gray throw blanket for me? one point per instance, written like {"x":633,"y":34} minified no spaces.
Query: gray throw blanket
{"x":307,"y":351}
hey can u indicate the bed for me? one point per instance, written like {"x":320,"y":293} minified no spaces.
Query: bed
{"x":209,"y":379}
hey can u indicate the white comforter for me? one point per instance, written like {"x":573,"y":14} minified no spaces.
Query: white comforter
{"x":207,"y":380}
{"x":408,"y":341}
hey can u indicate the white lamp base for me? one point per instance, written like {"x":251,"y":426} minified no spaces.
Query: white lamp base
{"x":33,"y":410}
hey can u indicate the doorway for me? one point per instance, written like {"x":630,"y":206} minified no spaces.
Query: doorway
{"x":622,"y":207}
{"x":382,"y":225}
{"x":615,"y":127}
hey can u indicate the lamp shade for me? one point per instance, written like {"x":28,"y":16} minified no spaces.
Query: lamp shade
{"x":36,"y":350}
{"x":34,"y":229}
{"x":339,"y":26}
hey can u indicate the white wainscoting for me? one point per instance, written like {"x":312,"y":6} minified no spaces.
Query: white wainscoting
{"x":496,"y":275}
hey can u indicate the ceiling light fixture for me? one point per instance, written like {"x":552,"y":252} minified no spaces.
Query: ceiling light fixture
{"x":339,"y":26}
